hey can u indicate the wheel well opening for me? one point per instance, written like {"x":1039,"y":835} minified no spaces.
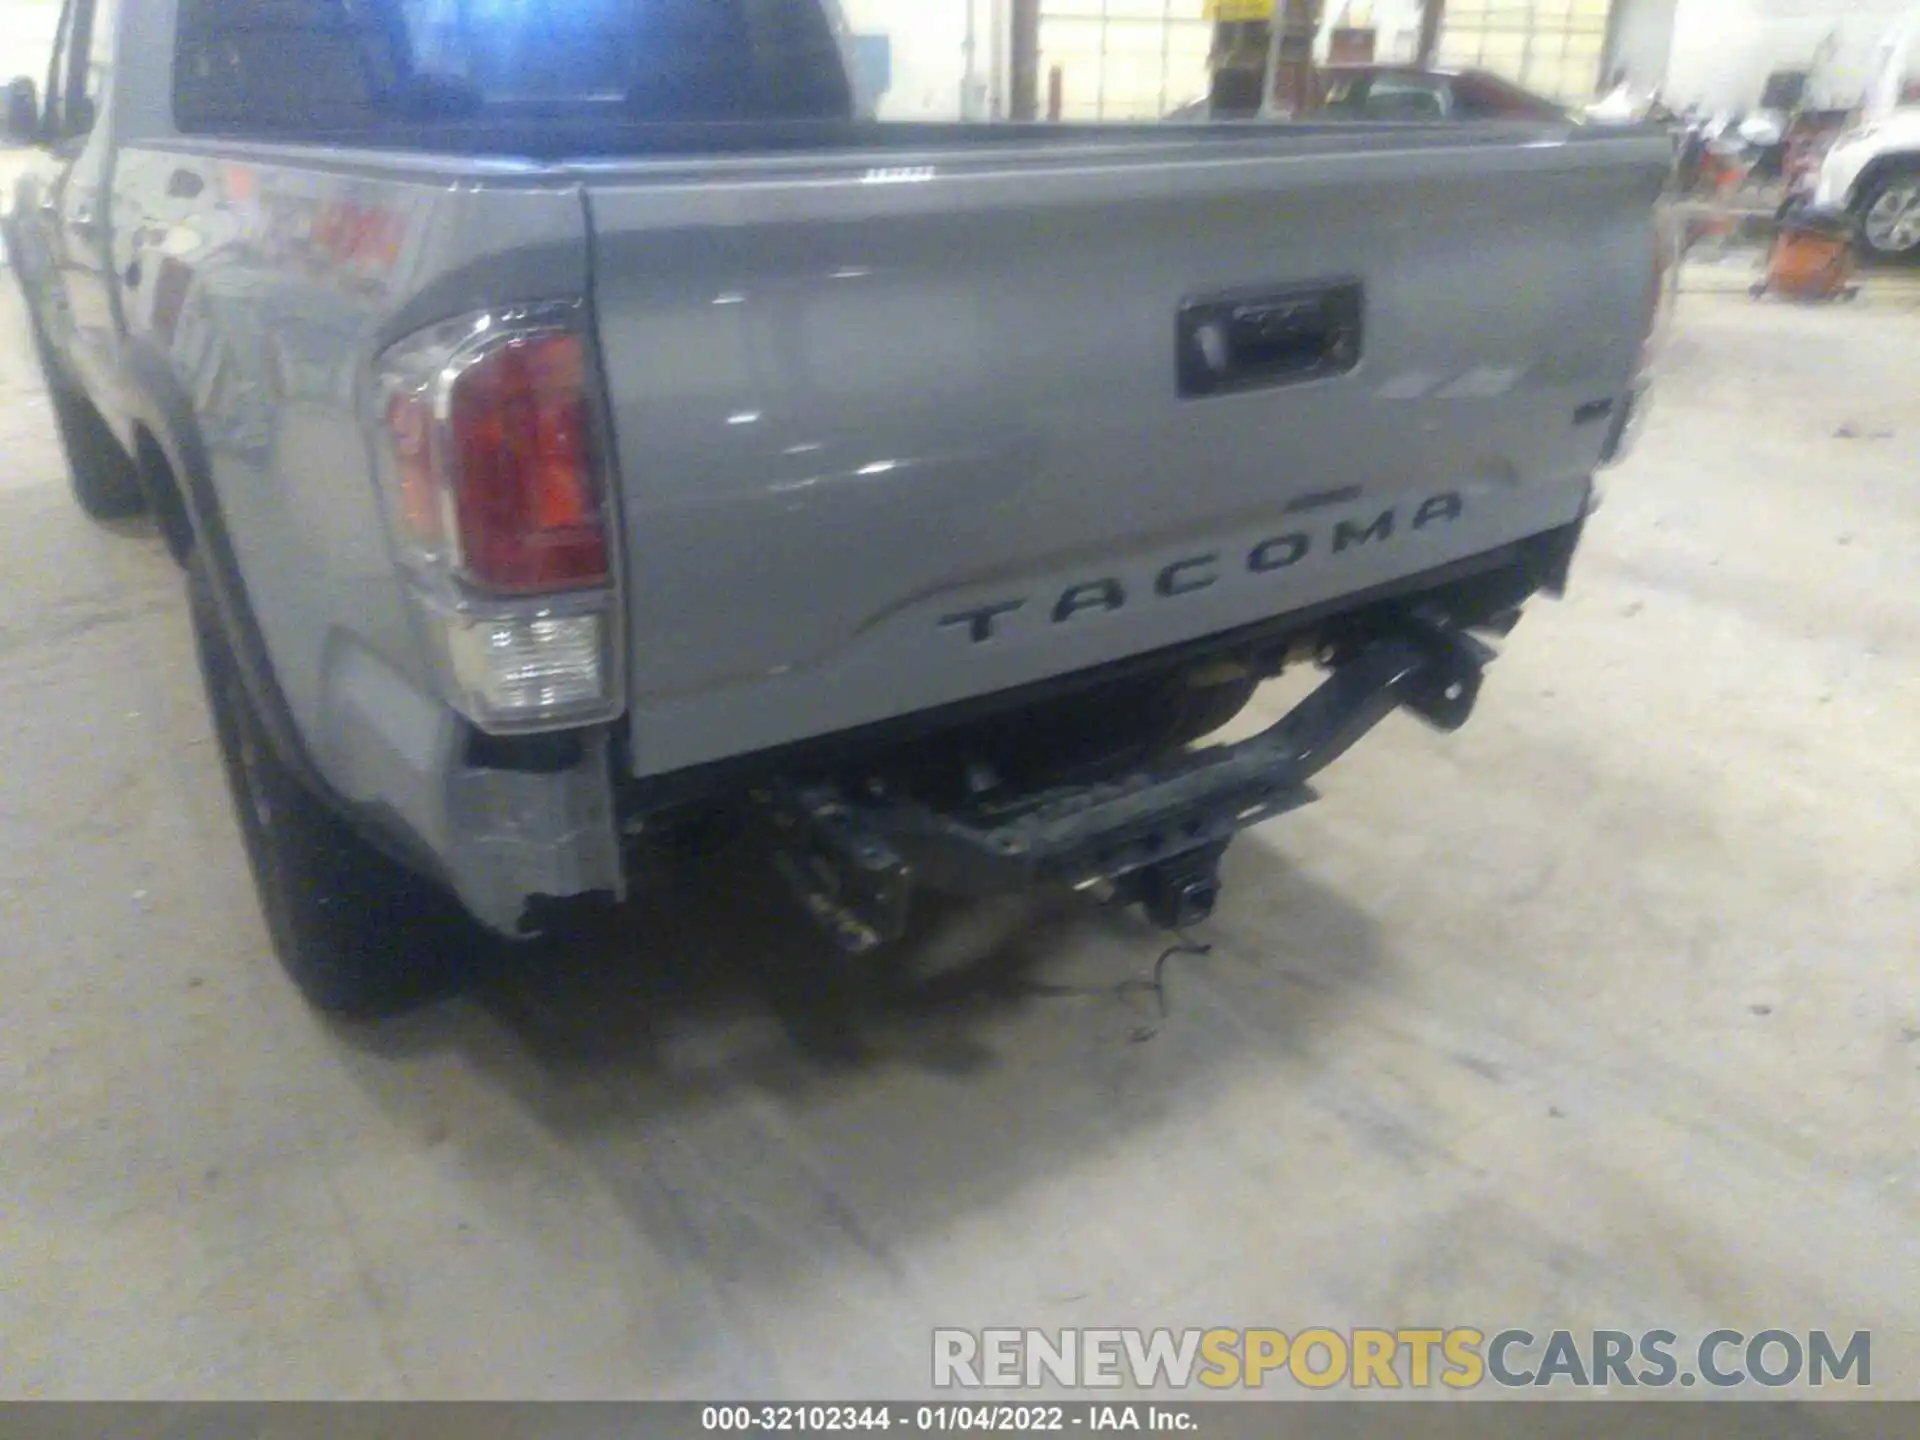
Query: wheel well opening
{"x":1879,"y":171}
{"x":163,"y":490}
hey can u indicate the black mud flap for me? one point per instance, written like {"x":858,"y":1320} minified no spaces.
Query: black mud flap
{"x":854,"y":854}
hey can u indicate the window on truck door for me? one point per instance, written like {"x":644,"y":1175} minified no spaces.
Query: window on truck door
{"x":62,"y":77}
{"x":77,"y":74}
{"x":1396,"y":97}
{"x":321,"y":67}
{"x":99,"y":59}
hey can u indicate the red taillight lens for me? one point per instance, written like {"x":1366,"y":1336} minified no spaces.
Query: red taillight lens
{"x":526,"y":486}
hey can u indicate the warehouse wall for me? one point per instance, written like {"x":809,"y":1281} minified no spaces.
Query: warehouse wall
{"x":1396,"y":25}
{"x":1722,"y":50}
{"x":26,"y":45}
{"x":26,"y":37}
{"x":1552,"y":47}
{"x":1125,"y":59}
{"x":928,"y":43}
{"x":1119,"y":59}
{"x":1643,"y":40}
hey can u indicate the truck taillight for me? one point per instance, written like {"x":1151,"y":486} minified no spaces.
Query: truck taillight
{"x":526,"y":492}
{"x":494,"y":462}
{"x":496,"y":481}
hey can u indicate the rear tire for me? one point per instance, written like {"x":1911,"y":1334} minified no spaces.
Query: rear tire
{"x":359,"y":935}
{"x":104,"y":478}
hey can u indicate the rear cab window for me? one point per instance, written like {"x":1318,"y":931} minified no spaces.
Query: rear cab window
{"x":579,"y":79}
{"x":317,"y":68}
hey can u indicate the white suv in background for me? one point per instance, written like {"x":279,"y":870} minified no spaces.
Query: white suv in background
{"x":1874,"y":169}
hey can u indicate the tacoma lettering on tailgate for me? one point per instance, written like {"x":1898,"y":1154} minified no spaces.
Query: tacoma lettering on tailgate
{"x":1194,"y":573}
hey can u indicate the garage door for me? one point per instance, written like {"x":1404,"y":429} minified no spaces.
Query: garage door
{"x":1124,"y":59}
{"x":1552,"y":47}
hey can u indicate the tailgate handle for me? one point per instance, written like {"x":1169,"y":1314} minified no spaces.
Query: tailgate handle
{"x":1258,"y":340}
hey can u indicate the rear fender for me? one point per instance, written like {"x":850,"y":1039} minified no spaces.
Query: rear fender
{"x":161,"y":412}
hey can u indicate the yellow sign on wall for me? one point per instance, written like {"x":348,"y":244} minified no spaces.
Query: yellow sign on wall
{"x":1233,"y":10}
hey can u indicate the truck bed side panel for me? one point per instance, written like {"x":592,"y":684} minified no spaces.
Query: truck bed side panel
{"x":262,"y":281}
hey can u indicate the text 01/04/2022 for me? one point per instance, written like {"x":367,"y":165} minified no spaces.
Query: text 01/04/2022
{"x":940,"y":1419}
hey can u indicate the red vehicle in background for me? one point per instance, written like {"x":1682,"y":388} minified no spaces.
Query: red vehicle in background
{"x":1407,"y":92}
{"x":1375,"y":91}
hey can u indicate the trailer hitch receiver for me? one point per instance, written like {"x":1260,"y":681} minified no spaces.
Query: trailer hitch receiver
{"x":854,"y":849}
{"x":1178,"y":893}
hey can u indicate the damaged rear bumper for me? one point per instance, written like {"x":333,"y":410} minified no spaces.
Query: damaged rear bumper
{"x":1155,"y":834}
{"x":517,"y":829}
{"x":855,"y":846}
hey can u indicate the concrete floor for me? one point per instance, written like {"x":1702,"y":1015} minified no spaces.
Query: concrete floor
{"x":1604,"y":1012}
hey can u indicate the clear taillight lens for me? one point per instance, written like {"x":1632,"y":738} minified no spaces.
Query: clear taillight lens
{"x":495,"y":480}
{"x":516,"y":667}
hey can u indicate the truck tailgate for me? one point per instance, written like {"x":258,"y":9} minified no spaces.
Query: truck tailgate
{"x":895,"y":431}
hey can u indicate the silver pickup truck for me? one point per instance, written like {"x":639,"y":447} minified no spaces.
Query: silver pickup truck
{"x":581,"y":424}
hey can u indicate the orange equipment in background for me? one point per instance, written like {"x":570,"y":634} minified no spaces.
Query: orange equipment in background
{"x":1812,"y":257}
